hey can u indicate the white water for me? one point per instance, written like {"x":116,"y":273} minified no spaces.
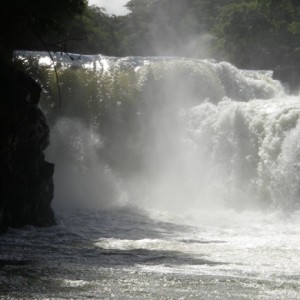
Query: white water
{"x":212,"y":213}
{"x":214,"y":136}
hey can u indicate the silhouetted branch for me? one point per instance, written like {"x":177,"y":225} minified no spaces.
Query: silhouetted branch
{"x":55,"y":70}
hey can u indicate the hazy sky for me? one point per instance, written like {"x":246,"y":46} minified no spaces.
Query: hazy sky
{"x":115,"y":7}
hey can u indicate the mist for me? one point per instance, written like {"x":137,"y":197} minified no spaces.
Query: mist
{"x":82,"y":179}
{"x":172,"y":29}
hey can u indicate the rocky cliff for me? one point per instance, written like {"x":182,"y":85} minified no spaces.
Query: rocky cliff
{"x":26,"y":179}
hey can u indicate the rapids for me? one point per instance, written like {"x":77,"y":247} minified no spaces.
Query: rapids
{"x":175,"y":178}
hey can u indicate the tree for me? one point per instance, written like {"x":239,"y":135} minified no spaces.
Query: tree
{"x":91,"y":32}
{"x":282,"y":14}
{"x":260,"y":33}
{"x":24,"y":22}
{"x":243,"y":34}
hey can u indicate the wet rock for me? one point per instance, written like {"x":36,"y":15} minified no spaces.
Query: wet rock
{"x":26,"y":179}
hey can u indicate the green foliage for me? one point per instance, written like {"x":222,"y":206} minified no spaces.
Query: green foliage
{"x":259,"y":34}
{"x":243,"y":33}
{"x":281,"y":14}
{"x":91,"y":32}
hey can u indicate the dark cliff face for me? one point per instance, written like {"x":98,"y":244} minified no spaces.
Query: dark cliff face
{"x":26,"y":179}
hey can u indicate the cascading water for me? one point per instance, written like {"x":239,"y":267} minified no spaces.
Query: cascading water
{"x":186,"y":175}
{"x":176,"y":131}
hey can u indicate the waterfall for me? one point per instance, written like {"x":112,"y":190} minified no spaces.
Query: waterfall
{"x":170,"y":133}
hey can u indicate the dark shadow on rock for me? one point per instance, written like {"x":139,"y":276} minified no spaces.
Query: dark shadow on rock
{"x":26,"y":179}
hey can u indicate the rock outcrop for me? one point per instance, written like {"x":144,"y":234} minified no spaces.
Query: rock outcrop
{"x":26,"y":179}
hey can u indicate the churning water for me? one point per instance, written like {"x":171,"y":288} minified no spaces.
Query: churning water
{"x":175,"y":179}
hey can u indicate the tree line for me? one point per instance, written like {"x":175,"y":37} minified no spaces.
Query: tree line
{"x":249,"y":33}
{"x":259,"y":34}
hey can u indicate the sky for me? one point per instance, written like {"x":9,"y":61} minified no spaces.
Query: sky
{"x":115,"y":7}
